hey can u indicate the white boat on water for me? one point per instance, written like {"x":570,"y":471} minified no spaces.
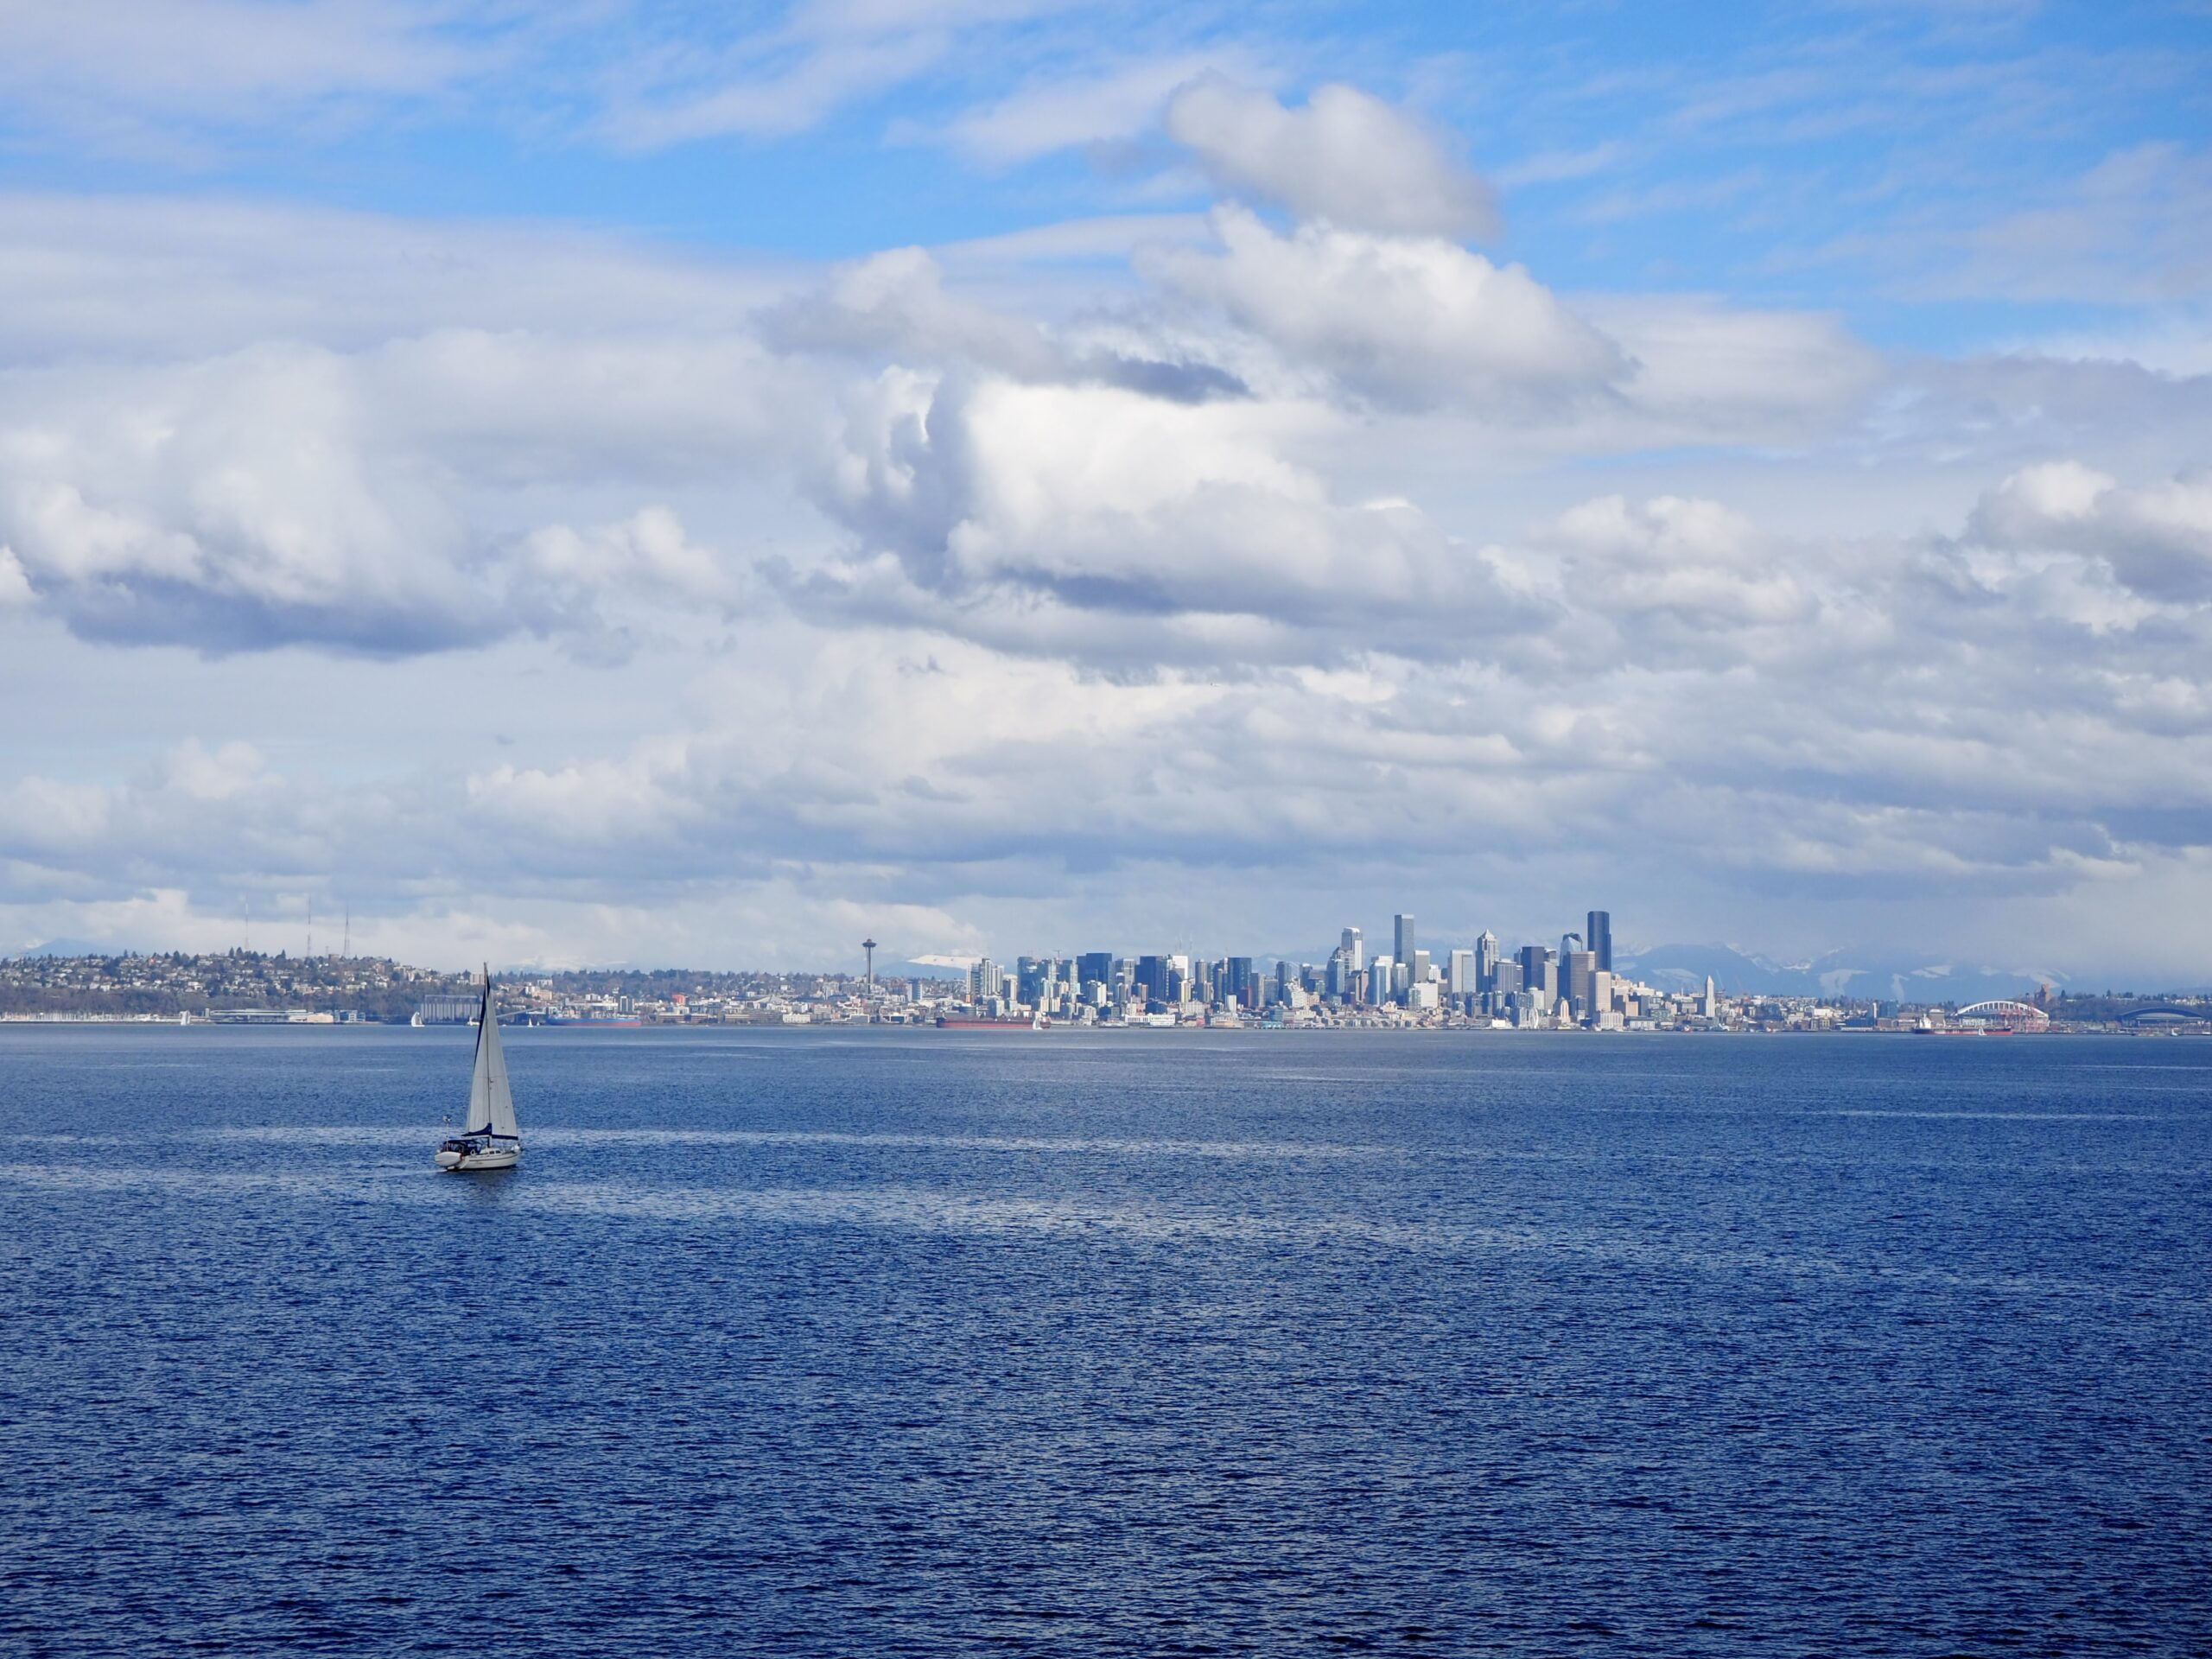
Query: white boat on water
{"x":492,"y":1138}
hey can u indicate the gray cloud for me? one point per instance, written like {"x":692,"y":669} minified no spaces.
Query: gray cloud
{"x":2157,"y":539}
{"x":1346,"y":157}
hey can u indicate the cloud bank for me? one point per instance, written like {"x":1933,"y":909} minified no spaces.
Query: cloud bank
{"x":576,"y":594}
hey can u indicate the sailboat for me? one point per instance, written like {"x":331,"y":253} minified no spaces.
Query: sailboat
{"x":492,"y":1138}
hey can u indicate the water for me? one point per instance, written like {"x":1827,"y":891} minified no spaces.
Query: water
{"x":1156,"y":1343}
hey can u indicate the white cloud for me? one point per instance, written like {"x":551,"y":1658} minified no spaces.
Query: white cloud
{"x":895,"y":303}
{"x":1403,"y":320}
{"x":1702,"y":366}
{"x":107,"y":72}
{"x":800,"y":87}
{"x":1346,"y":157}
{"x":125,"y":277}
{"x":1058,"y":114}
{"x":2157,"y":538}
{"x":820,"y":59}
{"x":648,"y":552}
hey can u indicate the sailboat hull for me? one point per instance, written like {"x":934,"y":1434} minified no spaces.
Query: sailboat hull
{"x":461,"y":1160}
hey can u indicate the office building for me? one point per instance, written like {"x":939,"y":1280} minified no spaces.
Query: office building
{"x":1598,"y":937}
{"x":1537,"y":975}
{"x":1486,"y":962}
{"x":1151,"y":979}
{"x":1460,"y":981}
{"x":1578,"y":969}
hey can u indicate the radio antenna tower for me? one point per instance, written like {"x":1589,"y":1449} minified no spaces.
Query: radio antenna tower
{"x":345,"y":945}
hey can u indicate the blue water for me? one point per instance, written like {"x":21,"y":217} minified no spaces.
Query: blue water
{"x":921,"y":1343}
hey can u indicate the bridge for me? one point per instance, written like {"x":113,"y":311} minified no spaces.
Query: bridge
{"x":1999,"y":1011}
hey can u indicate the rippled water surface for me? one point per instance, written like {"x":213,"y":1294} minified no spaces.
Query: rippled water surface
{"x":925,"y":1343}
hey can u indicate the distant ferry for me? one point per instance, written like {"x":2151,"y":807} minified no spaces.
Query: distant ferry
{"x":592,"y":1020}
{"x":988,"y":1022}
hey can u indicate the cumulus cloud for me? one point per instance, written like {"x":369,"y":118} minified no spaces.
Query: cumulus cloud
{"x":2157,"y":538}
{"x":896,"y":304}
{"x":649,"y":551}
{"x":14,"y":580}
{"x":1346,"y":157}
{"x":1410,"y":321}
{"x":234,"y":508}
{"x":288,"y":494}
{"x":1096,"y":498}
{"x":1678,"y":580}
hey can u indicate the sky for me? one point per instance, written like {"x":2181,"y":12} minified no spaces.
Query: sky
{"x":581,"y":482}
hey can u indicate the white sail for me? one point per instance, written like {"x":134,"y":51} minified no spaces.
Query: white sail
{"x":491,"y":1106}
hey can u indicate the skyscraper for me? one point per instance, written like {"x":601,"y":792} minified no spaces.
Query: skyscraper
{"x":1401,"y":939}
{"x":1239,"y":983}
{"x":1381,"y":977}
{"x":1597,"y":935}
{"x":1486,"y":962}
{"x":1151,"y":981}
{"x":1579,"y":969}
{"x":1355,"y":950}
{"x":1536,"y":973}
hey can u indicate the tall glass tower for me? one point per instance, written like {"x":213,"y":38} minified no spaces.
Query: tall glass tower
{"x":1598,"y":937}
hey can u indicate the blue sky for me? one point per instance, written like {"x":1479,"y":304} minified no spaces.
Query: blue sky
{"x":1004,"y":472}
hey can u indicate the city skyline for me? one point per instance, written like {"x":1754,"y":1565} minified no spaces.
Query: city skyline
{"x":682,"y":484}
{"x":1877,"y":972}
